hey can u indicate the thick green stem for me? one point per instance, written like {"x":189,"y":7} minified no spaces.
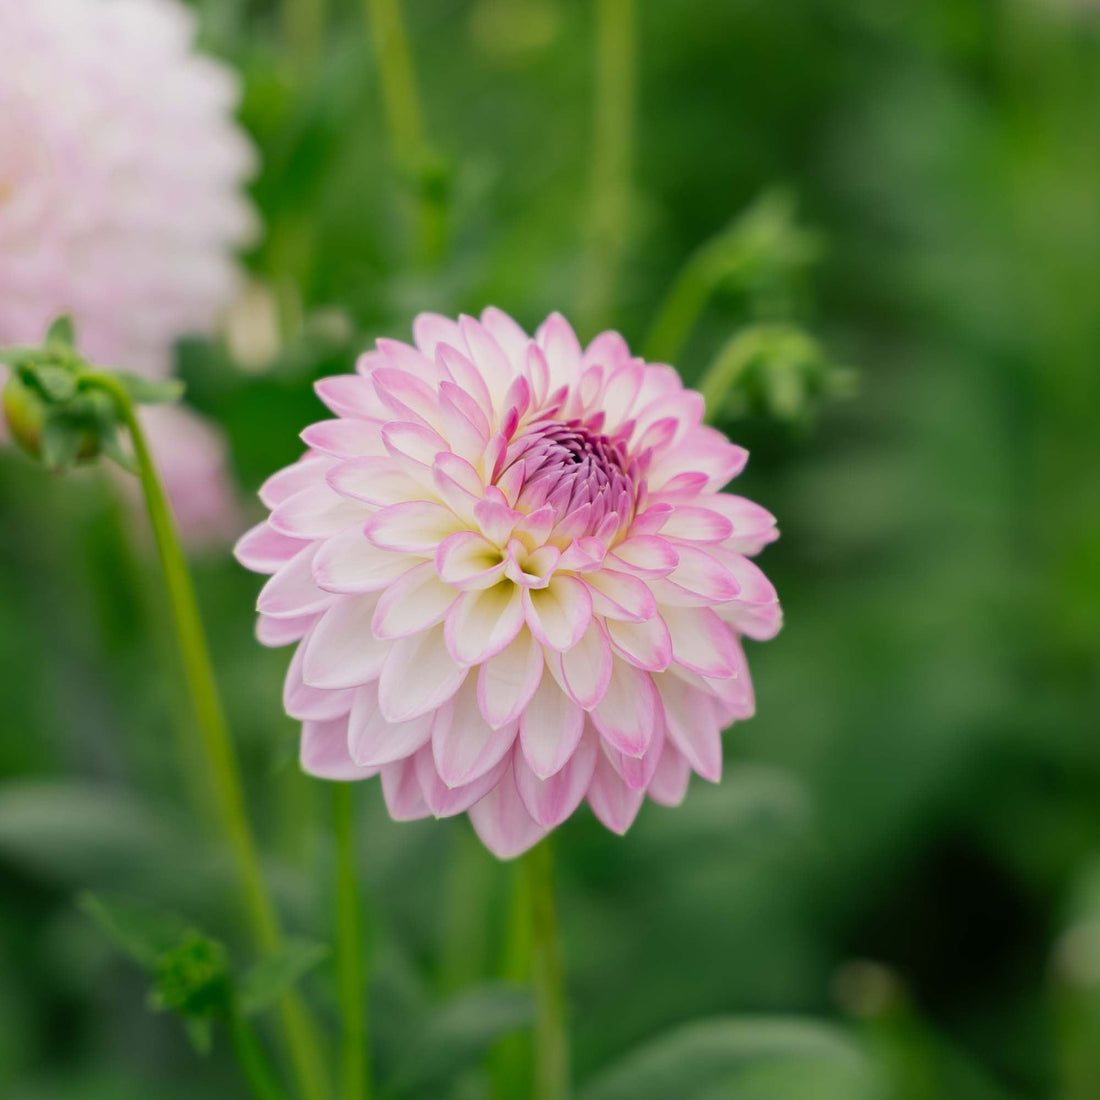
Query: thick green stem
{"x":220,"y":757}
{"x":354,"y":1059}
{"x":405,"y":121}
{"x":551,"y":1036}
{"x":252,"y":1059}
{"x":612,"y":154}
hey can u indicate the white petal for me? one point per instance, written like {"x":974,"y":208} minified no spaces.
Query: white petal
{"x":342,"y":651}
{"x":323,"y":751}
{"x":418,"y":676}
{"x":412,"y":603}
{"x":483,"y":622}
{"x":508,"y":680}
{"x":348,"y":563}
{"x":502,"y":820}
{"x":373,"y":741}
{"x":550,"y":728}
{"x":551,"y":801}
{"x":464,"y":745}
{"x":626,"y":716}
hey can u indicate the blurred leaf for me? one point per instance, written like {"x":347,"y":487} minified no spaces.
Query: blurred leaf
{"x":142,"y":932}
{"x":270,"y":979}
{"x":711,"y":1059}
{"x":56,"y":383}
{"x":62,"y":331}
{"x":61,"y":442}
{"x":456,"y":1035}
{"x":149,"y":391}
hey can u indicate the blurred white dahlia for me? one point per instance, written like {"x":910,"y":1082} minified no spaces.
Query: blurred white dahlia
{"x":120,"y":193}
{"x":513,"y":579}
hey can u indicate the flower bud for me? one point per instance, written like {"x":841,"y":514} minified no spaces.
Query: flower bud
{"x":45,"y":431}
{"x":193,"y":979}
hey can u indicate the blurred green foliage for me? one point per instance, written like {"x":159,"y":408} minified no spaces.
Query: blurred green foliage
{"x":901,"y":861}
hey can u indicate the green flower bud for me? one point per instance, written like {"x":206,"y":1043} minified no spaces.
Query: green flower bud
{"x":193,"y":979}
{"x":43,"y":430}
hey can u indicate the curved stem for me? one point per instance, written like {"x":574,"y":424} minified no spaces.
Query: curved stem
{"x":354,"y":1059}
{"x":551,"y":1037}
{"x":220,"y":757}
{"x":252,"y":1059}
{"x":612,"y":153}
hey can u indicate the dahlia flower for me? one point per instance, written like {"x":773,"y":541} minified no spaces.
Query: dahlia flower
{"x":120,"y":184}
{"x":513,"y":580}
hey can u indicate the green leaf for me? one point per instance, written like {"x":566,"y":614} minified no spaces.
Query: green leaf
{"x":56,"y":383}
{"x":61,"y":442}
{"x":149,"y":391}
{"x":62,"y":332}
{"x":716,"y":1059}
{"x":138,"y":930}
{"x":19,"y":357}
{"x":456,"y":1035}
{"x":270,"y":979}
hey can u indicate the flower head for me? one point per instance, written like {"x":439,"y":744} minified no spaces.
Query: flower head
{"x":512,"y":578}
{"x":121,"y":169}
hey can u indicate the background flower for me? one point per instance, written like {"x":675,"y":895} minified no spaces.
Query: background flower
{"x":513,"y":578}
{"x":120,"y":186}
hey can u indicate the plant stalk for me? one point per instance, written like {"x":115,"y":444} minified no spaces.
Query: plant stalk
{"x":354,"y":1060}
{"x":551,"y":1034}
{"x":220,"y":757}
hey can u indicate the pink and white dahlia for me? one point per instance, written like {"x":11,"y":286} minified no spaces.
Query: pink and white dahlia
{"x":121,"y":203}
{"x":513,"y":580}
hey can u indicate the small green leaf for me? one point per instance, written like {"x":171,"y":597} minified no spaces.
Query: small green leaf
{"x":200,"y":1031}
{"x":712,"y":1059}
{"x":61,"y":442}
{"x":55,"y":383}
{"x":193,"y":978}
{"x":270,"y":979}
{"x":62,"y":332}
{"x":141,"y":932}
{"x":149,"y":391}
{"x":19,"y":357}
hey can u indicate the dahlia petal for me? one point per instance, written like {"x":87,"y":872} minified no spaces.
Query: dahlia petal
{"x":558,"y":614}
{"x":418,"y":675}
{"x":303,"y":702}
{"x":345,"y":438}
{"x":562,"y":349}
{"x":316,"y":513}
{"x":483,"y":622}
{"x":406,"y":397}
{"x":618,"y":595}
{"x":502,"y":820}
{"x":507,"y":333}
{"x":488,"y":357}
{"x":701,"y":574}
{"x":292,"y":591}
{"x":265,"y":551}
{"x":323,"y":752}
{"x":550,"y":801}
{"x":466,"y":376}
{"x":753,"y":527}
{"x":377,"y":481}
{"x":645,"y":644}
{"x":431,"y":329}
{"x":374,"y":741}
{"x":349,"y":563}
{"x":416,"y":527}
{"x":507,"y":681}
{"x":444,"y":800}
{"x":637,"y":771}
{"x":549,"y":728}
{"x":413,"y":602}
{"x":342,"y":651}
{"x":404,"y":358}
{"x":701,"y":642}
{"x":308,"y":471}
{"x":585,"y":669}
{"x":647,"y":555}
{"x":280,"y":632}
{"x":697,"y":525}
{"x":348,"y":395}
{"x":612,"y":801}
{"x":414,"y":442}
{"x":497,"y":520}
{"x":670,"y":780}
{"x":626,"y":716}
{"x":401,"y":789}
{"x":468,"y":560}
{"x":464,"y":745}
{"x":691,"y":725}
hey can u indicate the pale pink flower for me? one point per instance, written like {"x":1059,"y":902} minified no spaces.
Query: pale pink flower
{"x":512,"y":578}
{"x":121,"y":172}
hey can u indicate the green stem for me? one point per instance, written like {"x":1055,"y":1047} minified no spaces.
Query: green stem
{"x":354,"y":1060}
{"x":220,"y":757}
{"x":612,"y":153}
{"x":304,"y":26}
{"x":252,"y":1059}
{"x":405,"y":120}
{"x":551,"y":1037}
{"x":681,"y":308}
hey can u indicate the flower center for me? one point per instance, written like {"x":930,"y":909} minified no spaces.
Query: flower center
{"x":571,"y":467}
